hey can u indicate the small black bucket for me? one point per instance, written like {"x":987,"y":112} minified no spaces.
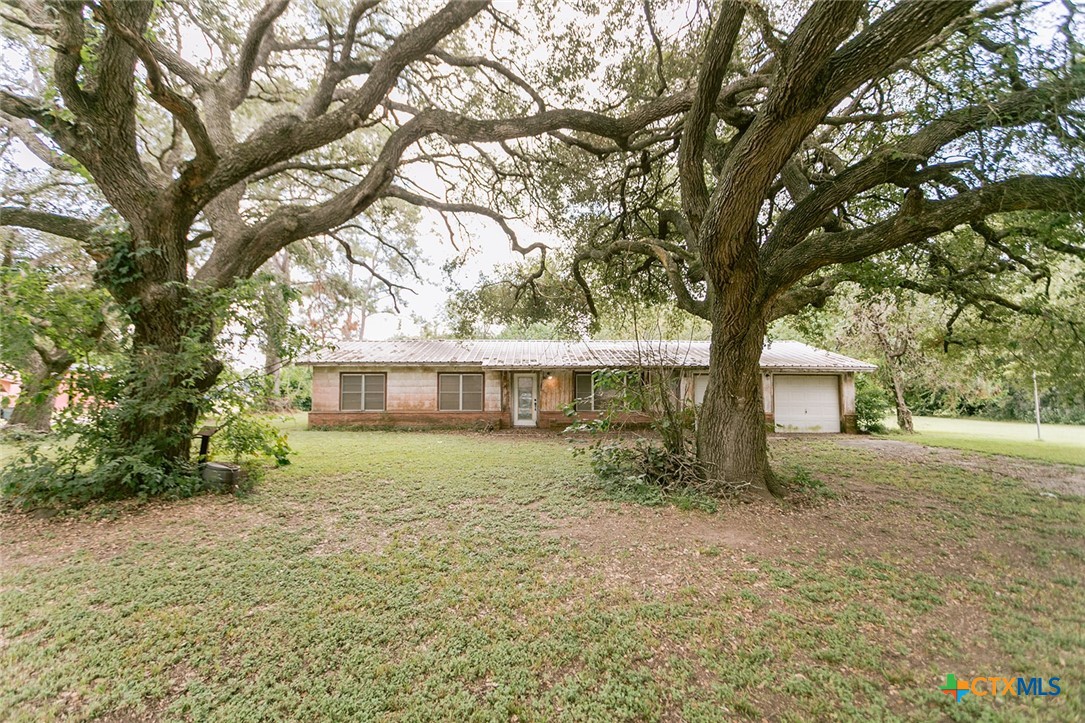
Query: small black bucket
{"x":221,"y":475}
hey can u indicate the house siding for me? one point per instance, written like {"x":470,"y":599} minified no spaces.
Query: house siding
{"x":411,"y":399}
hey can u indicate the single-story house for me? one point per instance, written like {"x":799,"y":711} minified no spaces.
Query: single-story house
{"x":417,"y":383}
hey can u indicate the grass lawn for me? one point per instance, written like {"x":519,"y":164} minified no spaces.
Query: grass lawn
{"x":1061,"y":443}
{"x":400,"y":576}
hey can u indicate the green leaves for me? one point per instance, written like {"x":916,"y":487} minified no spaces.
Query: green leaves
{"x":247,"y":436}
{"x":44,"y":308}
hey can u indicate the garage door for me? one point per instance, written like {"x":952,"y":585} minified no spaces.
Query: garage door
{"x":807,"y":403}
{"x":700,"y":386}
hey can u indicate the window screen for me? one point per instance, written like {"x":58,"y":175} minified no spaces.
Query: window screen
{"x":459,"y":392}
{"x":585,"y":401}
{"x":664,"y":386}
{"x":361,"y":392}
{"x":591,"y":397}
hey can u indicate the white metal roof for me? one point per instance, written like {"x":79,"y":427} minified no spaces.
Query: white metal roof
{"x":510,"y":354}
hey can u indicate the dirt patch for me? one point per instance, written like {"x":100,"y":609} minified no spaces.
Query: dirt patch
{"x":655,"y":551}
{"x":201,"y":520}
{"x":1058,"y":478}
{"x":660,"y":551}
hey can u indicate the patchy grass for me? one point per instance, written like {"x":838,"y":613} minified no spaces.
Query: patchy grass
{"x":1061,"y":443}
{"x":398,"y":576}
{"x":8,"y":451}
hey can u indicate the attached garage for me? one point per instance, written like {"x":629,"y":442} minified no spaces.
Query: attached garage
{"x":807,"y":403}
{"x":805,"y":390}
{"x":808,"y":390}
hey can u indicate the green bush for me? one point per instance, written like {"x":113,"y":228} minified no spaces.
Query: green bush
{"x":20,"y":433}
{"x":871,"y":404}
{"x":647,"y":471}
{"x":71,"y":477}
{"x":248,"y":436}
{"x":125,"y":432}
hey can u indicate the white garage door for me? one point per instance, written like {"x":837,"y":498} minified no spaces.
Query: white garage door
{"x":807,"y":403}
{"x":700,"y":386}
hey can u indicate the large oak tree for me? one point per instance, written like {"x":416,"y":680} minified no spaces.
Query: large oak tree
{"x":787,"y":195}
{"x":817,"y":137}
{"x":272,"y":95}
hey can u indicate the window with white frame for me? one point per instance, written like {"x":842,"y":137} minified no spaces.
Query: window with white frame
{"x":595,"y":391}
{"x":584,"y":392}
{"x":361,"y":392}
{"x":459,"y":392}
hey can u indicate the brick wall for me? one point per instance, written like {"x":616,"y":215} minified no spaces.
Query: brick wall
{"x":465,"y":420}
{"x":558,"y":420}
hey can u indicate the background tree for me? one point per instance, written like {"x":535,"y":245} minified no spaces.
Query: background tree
{"x":970,"y":345}
{"x":325,"y":288}
{"x":52,"y":318}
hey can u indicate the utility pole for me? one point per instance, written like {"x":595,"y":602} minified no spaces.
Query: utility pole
{"x":1036,"y":397}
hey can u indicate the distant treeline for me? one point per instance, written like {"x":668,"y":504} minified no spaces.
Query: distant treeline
{"x":1057,"y":406}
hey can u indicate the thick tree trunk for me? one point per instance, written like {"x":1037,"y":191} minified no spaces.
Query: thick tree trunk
{"x":276,"y":320}
{"x":273,"y":368}
{"x":33,"y":410}
{"x":34,"y":407}
{"x":172,"y":363}
{"x":731,"y":436}
{"x":904,"y":417}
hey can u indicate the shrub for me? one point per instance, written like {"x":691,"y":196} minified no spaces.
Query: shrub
{"x":247,"y":436}
{"x":20,"y":433}
{"x":871,"y":404}
{"x":71,"y":477}
{"x":87,"y":459}
{"x":648,"y":471}
{"x":118,"y":399}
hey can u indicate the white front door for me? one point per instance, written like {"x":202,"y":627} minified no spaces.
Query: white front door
{"x":525,"y":400}
{"x":807,"y":403}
